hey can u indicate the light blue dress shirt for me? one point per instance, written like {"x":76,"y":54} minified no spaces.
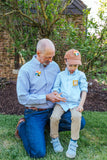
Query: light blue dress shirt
{"x":71,"y":86}
{"x":32,"y":86}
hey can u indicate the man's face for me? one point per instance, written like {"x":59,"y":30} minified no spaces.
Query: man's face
{"x":72,"y":67}
{"x":46,"y":57}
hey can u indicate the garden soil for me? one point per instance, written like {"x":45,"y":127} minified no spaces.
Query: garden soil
{"x":96,"y":98}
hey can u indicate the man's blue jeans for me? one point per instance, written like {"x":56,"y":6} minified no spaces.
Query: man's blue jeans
{"x":32,"y":130}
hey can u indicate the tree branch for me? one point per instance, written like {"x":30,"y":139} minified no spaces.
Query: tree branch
{"x":11,"y":12}
{"x":24,"y":15}
{"x":43,"y":11}
{"x":60,"y":13}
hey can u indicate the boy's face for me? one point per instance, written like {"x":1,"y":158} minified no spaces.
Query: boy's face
{"x":71,"y":67}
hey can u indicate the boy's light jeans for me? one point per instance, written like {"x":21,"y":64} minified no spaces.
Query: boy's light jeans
{"x":55,"y":119}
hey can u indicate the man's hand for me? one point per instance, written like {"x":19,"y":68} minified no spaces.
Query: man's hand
{"x":55,"y":97}
{"x":80,"y":109}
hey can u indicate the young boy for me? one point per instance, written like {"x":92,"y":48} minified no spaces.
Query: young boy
{"x":71,"y":84}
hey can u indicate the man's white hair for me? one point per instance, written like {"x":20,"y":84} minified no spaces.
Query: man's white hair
{"x":43,"y":44}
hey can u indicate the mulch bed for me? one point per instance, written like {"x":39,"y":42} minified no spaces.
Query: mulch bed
{"x":96,"y":98}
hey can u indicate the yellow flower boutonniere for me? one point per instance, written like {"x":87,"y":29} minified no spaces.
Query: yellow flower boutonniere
{"x":37,"y":73}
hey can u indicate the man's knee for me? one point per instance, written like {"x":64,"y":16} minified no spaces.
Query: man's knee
{"x":38,"y":154}
{"x":83,"y":122}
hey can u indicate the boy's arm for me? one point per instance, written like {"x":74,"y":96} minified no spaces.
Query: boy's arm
{"x":56,"y":87}
{"x":83,"y":98}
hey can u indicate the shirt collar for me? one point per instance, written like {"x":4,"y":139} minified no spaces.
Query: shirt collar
{"x":68,"y":73}
{"x":34,"y":59}
{"x":36,"y":62}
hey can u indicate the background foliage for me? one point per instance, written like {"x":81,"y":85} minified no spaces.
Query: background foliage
{"x":28,"y":21}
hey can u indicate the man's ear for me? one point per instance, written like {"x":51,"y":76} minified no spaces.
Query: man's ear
{"x":38,"y":53}
{"x":65,"y":60}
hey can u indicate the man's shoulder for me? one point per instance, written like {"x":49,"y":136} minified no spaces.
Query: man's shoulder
{"x":54,"y":64}
{"x":26,"y":66}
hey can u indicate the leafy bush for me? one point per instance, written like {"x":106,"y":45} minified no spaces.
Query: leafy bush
{"x":30,"y":22}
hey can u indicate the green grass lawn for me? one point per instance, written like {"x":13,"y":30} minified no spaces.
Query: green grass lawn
{"x":92,"y":143}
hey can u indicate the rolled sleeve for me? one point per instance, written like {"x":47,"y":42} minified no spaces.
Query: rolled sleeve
{"x":83,"y":83}
{"x":57,"y":84}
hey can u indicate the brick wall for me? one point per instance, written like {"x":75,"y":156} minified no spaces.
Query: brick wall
{"x":6,"y":57}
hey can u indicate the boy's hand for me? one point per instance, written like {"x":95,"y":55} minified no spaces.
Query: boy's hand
{"x":80,"y":108}
{"x":60,"y":98}
{"x":58,"y":95}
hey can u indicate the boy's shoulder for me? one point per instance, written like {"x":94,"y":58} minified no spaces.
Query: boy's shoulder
{"x":62,"y":73}
{"x":81,"y":73}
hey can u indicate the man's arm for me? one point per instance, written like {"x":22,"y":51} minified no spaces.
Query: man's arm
{"x":23,"y":91}
{"x":27,"y":98}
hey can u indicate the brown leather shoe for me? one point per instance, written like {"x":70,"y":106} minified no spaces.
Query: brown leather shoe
{"x":17,"y":132}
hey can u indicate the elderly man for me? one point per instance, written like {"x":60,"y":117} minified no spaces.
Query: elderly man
{"x":34,"y":90}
